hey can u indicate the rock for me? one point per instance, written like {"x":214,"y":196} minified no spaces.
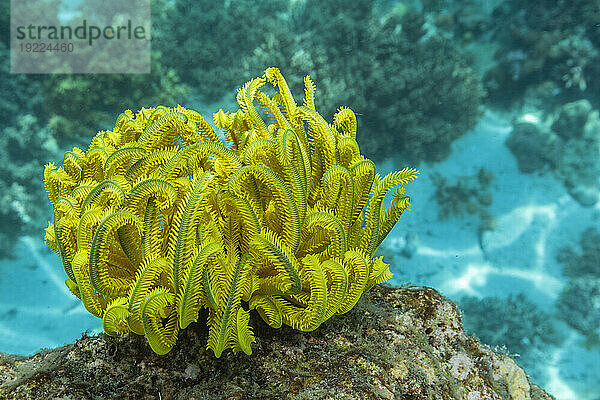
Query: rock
{"x":397,"y":343}
{"x":586,"y":195}
{"x":572,"y":118}
{"x":534,"y":146}
{"x":571,"y":149}
{"x":579,"y":166}
{"x":591,"y":128}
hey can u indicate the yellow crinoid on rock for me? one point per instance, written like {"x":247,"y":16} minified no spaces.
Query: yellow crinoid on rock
{"x":162,"y":216}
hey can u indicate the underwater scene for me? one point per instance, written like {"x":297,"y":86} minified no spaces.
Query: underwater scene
{"x":429,"y":143}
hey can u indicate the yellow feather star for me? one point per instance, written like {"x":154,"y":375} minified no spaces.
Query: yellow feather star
{"x":161,"y":217}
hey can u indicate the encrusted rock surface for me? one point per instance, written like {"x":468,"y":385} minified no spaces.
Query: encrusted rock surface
{"x":397,"y":343}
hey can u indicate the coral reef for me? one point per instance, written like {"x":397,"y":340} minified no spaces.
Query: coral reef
{"x":73,"y":104}
{"x":471,"y":19}
{"x":513,"y":323}
{"x":395,"y":344}
{"x":543,"y":41}
{"x":23,"y":143}
{"x":567,"y":144}
{"x":535,"y":147}
{"x":95,"y":108}
{"x":431,"y":84}
{"x":201,"y":27}
{"x":414,"y":89}
{"x":161,"y":217}
{"x":41,"y":113}
{"x":22,"y":193}
{"x":579,"y":301}
{"x":405,"y":87}
{"x":19,"y":93}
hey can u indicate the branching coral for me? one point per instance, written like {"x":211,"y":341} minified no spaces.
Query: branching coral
{"x":162,"y":216}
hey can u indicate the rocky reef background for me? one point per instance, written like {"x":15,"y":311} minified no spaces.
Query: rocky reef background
{"x":419,"y":74}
